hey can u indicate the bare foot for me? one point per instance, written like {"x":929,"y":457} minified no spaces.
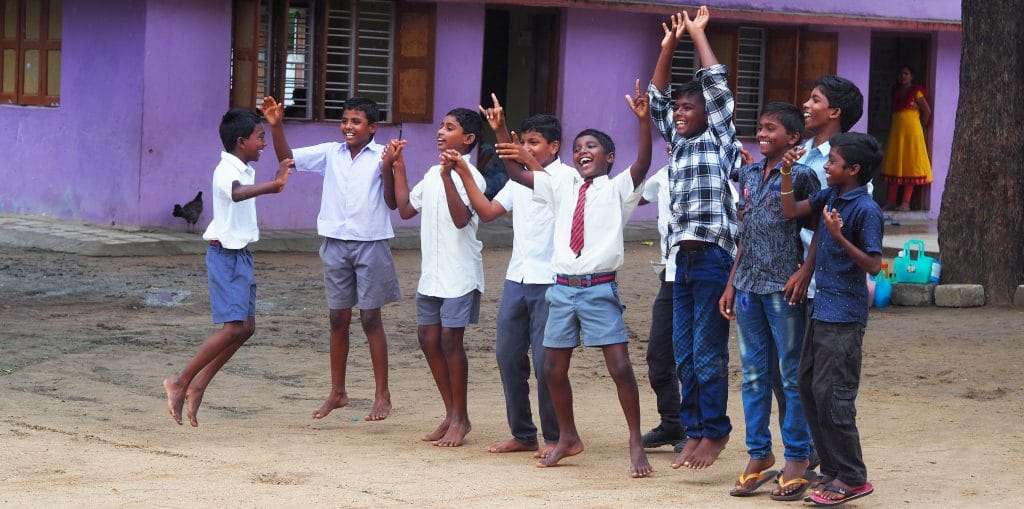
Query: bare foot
{"x":511,"y":445}
{"x":545,"y":451}
{"x":194,"y":398}
{"x":334,"y":401}
{"x":683,"y":459}
{"x":436,"y":435}
{"x":638,"y":464}
{"x":563,"y":449}
{"x":456,"y":434}
{"x":175,"y":399}
{"x":381,"y":408}
{"x":707,"y":452}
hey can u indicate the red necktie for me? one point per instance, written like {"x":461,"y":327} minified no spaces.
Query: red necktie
{"x":576,"y":234}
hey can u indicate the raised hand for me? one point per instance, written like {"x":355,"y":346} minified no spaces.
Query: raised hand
{"x":641,"y":106}
{"x":495,"y":116}
{"x":792,"y":156}
{"x":272,"y":111}
{"x":833,"y":221}
{"x":746,"y":158}
{"x":698,"y":23}
{"x":393,"y":151}
{"x":673,"y":32}
{"x":514,"y":151}
{"x":287,"y":167}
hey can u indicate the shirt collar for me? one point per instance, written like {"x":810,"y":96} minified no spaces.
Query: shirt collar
{"x":234,"y":162}
{"x":822,"y":149}
{"x":557,"y":163}
{"x":372,"y":146}
{"x":852,"y":194}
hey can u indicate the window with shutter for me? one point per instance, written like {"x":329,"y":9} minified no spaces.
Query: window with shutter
{"x":30,"y":52}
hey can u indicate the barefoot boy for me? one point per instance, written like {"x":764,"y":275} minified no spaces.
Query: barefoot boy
{"x":697,"y":121}
{"x":758,"y":298}
{"x":590,"y":211}
{"x":229,"y":263}
{"x":523,"y":311}
{"x":355,"y":222}
{"x":849,"y":245}
{"x":451,"y":273}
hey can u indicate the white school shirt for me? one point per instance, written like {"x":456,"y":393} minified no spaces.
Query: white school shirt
{"x":656,"y":189}
{"x":609,"y":204}
{"x":533,"y":226}
{"x":234,"y":223}
{"x":451,"y":264}
{"x":352,"y":203}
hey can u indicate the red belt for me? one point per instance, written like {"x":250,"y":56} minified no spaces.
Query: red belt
{"x":215,"y":243}
{"x":585,"y":280}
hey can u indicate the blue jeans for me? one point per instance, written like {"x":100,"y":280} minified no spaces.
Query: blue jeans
{"x":700,"y":340}
{"x":763,"y":320}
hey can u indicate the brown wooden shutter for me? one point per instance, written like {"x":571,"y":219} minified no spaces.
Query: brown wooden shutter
{"x":780,"y":71}
{"x":9,"y":75}
{"x":413,"y":77}
{"x":817,"y":58}
{"x":38,"y":53}
{"x":245,"y":47}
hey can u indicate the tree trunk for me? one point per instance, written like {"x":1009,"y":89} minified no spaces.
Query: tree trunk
{"x":981,"y":226}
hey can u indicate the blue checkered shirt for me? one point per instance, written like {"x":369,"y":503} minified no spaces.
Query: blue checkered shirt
{"x":702,"y":204}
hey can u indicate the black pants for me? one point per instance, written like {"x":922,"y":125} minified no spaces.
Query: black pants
{"x":829,"y":379}
{"x":661,"y":361}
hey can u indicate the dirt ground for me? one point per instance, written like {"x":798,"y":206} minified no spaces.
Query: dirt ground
{"x":85,"y":343}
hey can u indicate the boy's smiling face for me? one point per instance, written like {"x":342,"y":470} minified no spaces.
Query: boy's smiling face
{"x":356,"y":129}
{"x":837,"y":173}
{"x":689,"y":115}
{"x":817,"y":112}
{"x":590,"y":157}
{"x":249,"y":149}
{"x":772,"y":138}
{"x":451,"y":135}
{"x":540,"y":148}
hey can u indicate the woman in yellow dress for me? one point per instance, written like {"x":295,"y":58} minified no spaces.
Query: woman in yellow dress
{"x":906,"y":155}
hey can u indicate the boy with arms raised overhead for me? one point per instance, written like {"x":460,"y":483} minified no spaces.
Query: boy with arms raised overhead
{"x":451,"y":271}
{"x":229,"y":263}
{"x":590,"y":210}
{"x":758,"y":297}
{"x":523,"y":311}
{"x":849,"y":245}
{"x":355,"y":222}
{"x":697,"y":121}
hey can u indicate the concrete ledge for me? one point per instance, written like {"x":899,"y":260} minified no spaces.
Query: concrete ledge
{"x":960,"y":296}
{"x":1018,"y":297}
{"x":909,"y":294}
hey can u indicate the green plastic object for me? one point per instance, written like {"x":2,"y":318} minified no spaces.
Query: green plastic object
{"x":912,"y":265}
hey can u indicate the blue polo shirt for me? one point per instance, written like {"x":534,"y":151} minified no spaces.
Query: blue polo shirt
{"x":842,"y":295}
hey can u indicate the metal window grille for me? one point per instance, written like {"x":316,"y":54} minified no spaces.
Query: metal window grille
{"x":359,"y":54}
{"x":749,"y":81}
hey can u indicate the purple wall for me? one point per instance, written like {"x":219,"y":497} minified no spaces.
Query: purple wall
{"x":946,"y":94}
{"x":80,"y":160}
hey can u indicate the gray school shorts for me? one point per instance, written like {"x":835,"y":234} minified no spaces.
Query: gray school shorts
{"x":452,"y":313}
{"x":359,"y":272}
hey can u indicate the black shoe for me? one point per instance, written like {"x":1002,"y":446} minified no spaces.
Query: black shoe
{"x":660,"y":436}
{"x":813,"y":460}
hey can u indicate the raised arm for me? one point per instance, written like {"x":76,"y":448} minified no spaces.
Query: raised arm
{"x":519,"y":162}
{"x":663,"y":69}
{"x":641,"y":107}
{"x":405,"y":209}
{"x":274,"y":113}
{"x":240,"y":192}
{"x":511,"y":160}
{"x":488,"y":210}
{"x":387,"y":172}
{"x":695,"y":28}
{"x":456,"y":207}
{"x":790,"y":207}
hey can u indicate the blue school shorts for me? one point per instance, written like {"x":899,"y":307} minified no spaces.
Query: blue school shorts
{"x":594,"y":311}
{"x":232,"y":283}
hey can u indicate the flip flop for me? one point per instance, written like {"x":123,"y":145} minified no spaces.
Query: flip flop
{"x":759,"y":477}
{"x":847,"y":493}
{"x":804,"y":482}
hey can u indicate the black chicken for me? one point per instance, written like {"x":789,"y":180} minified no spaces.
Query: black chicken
{"x":190,"y":212}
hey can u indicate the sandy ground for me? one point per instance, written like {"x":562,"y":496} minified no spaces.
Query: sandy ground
{"x":86,"y":342}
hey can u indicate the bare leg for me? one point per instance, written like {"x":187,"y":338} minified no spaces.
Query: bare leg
{"x":197,"y":387}
{"x":373,"y":326}
{"x":511,"y":445}
{"x":177,"y":386}
{"x":340,"y":321}
{"x":616,"y":358}
{"x":430,"y":343}
{"x":556,"y":370}
{"x":458,"y":371}
{"x":707,"y":452}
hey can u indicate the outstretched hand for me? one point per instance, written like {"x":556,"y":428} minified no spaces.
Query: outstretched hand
{"x":272,"y":111}
{"x":673,"y":32}
{"x":495,"y":116}
{"x":515,"y":151}
{"x":641,"y":105}
{"x":791,"y":157}
{"x":698,"y":23}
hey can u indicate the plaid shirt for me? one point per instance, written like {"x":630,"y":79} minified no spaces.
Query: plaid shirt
{"x":702,"y":204}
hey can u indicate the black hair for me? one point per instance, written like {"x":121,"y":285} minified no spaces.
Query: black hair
{"x":367,"y":106}
{"x":843,"y":94}
{"x":859,"y":148}
{"x":471,"y":121}
{"x":909,"y":68}
{"x":547,"y":126}
{"x":690,"y":88}
{"x":791,"y":118}
{"x":237,"y":123}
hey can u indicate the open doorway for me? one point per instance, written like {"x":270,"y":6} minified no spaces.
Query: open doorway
{"x":890,"y":52}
